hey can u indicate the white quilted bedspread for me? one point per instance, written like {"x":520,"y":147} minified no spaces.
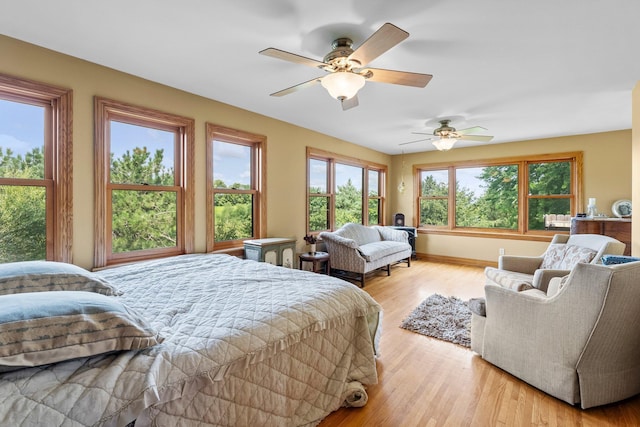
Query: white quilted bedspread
{"x":246,"y":343}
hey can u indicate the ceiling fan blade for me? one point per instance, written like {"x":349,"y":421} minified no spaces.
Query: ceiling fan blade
{"x":470,"y":130}
{"x":417,"y":140}
{"x":481,"y":138}
{"x":350,"y":103}
{"x":399,"y":77}
{"x":297,"y":87}
{"x":378,"y":43}
{"x":423,"y":133}
{"x":292,"y":57}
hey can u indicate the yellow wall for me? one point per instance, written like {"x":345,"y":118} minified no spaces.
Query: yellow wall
{"x":607,"y":177}
{"x":635,"y":124}
{"x":607,"y":156}
{"x":286,"y":171}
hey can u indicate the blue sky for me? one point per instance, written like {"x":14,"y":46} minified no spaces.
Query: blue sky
{"x":21,"y":126}
{"x":126,"y":137}
{"x":231,"y":163}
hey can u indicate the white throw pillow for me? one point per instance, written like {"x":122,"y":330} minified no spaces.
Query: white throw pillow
{"x":564,"y":257}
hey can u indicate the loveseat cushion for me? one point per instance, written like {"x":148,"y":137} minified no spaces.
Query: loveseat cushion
{"x":509,"y":279}
{"x":565,"y":257}
{"x":359,"y":233}
{"x":378,"y":250}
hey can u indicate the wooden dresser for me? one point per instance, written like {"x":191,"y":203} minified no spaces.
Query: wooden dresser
{"x":618,"y":228}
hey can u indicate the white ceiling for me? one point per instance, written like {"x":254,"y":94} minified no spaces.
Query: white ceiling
{"x":521,"y":69}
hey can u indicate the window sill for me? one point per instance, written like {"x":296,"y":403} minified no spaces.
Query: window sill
{"x":537,"y":236}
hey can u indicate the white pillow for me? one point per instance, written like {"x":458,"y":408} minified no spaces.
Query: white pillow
{"x":561,"y":256}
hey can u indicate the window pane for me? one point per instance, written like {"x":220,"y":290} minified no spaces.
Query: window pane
{"x":231,"y":166}
{"x":348,"y":194}
{"x":21,"y":140}
{"x":374,"y":182}
{"x":549,"y":178}
{"x":374,"y":211}
{"x":434,"y":183}
{"x":318,"y":213}
{"x":538,"y":208}
{"x":487,"y":197}
{"x":318,"y":173}
{"x":143,"y":220}
{"x":23,"y":235}
{"x":141,"y":155}
{"x":233,"y":216}
{"x":433,"y":212}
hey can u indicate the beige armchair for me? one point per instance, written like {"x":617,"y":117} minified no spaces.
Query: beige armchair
{"x":520,"y":273}
{"x":580,"y":344}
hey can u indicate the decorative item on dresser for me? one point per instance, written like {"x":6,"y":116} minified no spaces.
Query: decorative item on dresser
{"x":273,"y":250}
{"x":618,"y":228}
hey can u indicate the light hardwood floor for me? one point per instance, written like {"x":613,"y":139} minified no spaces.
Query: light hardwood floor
{"x":427,"y":382}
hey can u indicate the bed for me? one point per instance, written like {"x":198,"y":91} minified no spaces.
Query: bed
{"x":237,"y":343}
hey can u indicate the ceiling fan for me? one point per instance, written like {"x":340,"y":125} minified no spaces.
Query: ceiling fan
{"x":347,"y":67}
{"x":446,"y":136}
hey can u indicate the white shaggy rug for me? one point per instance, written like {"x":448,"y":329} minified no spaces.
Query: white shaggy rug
{"x":445,"y":318}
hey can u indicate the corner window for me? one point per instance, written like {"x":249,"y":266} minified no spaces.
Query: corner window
{"x":500,"y":196}
{"x":144,"y":183}
{"x":341,"y":189}
{"x":35,"y":171}
{"x":235,"y":183}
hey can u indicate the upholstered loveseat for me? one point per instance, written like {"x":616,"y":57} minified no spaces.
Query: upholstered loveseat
{"x":357,"y":249}
{"x":520,"y":273}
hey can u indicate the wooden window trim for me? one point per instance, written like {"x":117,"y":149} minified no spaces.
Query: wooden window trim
{"x":331,"y":159}
{"x":106,"y":110}
{"x":576,"y":195}
{"x":59,"y":154}
{"x":258,"y":144}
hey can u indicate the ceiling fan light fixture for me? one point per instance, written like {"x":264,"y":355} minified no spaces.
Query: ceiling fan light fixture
{"x":445,"y":144}
{"x":343,"y":84}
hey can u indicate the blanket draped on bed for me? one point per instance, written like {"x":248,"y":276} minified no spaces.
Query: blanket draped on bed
{"x":246,"y":343}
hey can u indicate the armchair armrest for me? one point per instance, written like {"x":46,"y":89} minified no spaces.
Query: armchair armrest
{"x":542,"y":277}
{"x":520,"y":264}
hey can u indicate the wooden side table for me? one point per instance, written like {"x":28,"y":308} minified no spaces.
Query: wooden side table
{"x":315,"y":259}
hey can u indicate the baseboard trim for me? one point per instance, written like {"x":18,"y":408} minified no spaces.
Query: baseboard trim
{"x":457,"y":260}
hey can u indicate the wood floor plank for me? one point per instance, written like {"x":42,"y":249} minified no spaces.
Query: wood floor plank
{"x":427,"y":382}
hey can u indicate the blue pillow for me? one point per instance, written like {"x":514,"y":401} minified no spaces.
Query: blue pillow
{"x":618,"y":259}
{"x":43,"y":276}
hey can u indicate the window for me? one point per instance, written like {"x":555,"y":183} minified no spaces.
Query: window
{"x":341,"y":190}
{"x":501,"y":196}
{"x":35,"y":171}
{"x":235,"y":187}
{"x":144,"y":183}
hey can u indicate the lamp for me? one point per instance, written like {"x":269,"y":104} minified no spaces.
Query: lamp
{"x":342,"y":84}
{"x":402,"y":186}
{"x":444,"y":143}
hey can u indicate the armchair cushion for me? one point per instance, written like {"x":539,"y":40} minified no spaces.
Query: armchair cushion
{"x":565,"y":257}
{"x":514,"y":281}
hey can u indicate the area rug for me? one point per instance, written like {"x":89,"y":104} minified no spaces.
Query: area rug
{"x":445,"y":318}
